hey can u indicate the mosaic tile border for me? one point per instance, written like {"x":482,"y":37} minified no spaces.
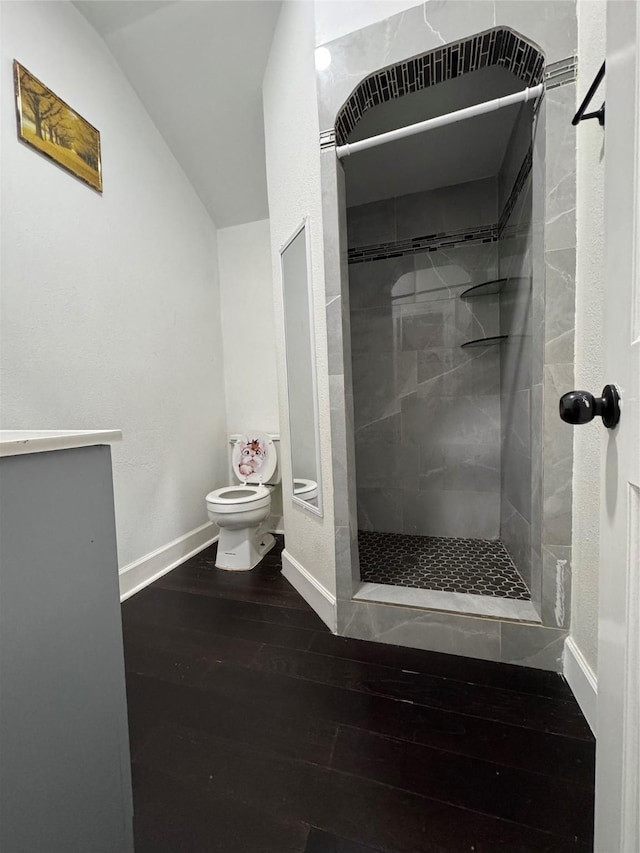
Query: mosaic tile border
{"x":327,"y":139}
{"x":558,"y":73}
{"x":499,"y":46}
{"x":517,"y":188}
{"x":555,"y":75}
{"x":427,"y":243}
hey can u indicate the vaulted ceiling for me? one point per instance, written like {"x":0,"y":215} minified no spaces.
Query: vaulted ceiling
{"x":197,"y":67}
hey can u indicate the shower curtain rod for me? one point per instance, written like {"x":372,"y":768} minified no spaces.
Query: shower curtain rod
{"x":527,"y":94}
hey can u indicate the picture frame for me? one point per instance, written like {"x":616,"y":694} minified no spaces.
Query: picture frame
{"x":52,"y":127}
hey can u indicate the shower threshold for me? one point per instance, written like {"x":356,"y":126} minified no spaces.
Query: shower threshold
{"x":471,"y":576}
{"x":463,"y":603}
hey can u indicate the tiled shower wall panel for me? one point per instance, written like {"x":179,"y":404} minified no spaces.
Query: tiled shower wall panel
{"x":558,"y":371}
{"x":516,"y":373}
{"x":516,"y":354}
{"x":427,"y":413}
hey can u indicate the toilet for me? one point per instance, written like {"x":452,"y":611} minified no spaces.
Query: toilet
{"x":241,"y":511}
{"x":306,"y":490}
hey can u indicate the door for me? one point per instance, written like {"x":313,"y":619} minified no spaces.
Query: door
{"x":618,"y":745}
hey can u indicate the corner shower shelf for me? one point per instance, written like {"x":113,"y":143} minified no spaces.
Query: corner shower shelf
{"x":487,"y":288}
{"x":484,"y":342}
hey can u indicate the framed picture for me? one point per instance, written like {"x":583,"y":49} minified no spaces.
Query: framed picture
{"x":49,"y":124}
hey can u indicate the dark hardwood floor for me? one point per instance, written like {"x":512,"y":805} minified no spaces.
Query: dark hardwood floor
{"x":255,"y":730}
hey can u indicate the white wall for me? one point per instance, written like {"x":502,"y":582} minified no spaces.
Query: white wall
{"x":246,"y":301}
{"x":293,"y":181}
{"x":588,"y":348}
{"x":249,"y":336}
{"x":336,"y":18}
{"x":110,"y":304}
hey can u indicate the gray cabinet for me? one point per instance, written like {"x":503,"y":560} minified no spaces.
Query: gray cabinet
{"x":64,"y":748}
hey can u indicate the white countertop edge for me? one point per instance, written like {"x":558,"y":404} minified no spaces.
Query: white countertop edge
{"x":14,"y":442}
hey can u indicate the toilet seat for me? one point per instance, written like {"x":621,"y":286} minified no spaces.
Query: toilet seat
{"x":238,"y":498}
{"x":305,"y":489}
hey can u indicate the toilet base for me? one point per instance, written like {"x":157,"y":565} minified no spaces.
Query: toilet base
{"x":241,"y":550}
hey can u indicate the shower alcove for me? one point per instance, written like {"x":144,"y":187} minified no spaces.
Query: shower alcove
{"x":437,"y":263}
{"x":440,"y":291}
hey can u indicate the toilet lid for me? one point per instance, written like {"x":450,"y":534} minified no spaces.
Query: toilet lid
{"x":254,"y":457}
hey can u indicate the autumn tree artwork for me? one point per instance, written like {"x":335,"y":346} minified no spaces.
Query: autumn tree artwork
{"x":50,"y":125}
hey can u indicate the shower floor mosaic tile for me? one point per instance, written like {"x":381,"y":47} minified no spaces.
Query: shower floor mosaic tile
{"x":477,"y":566}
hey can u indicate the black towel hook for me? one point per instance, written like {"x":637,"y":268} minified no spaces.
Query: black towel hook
{"x":581,"y":115}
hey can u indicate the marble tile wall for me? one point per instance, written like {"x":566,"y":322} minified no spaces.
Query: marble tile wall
{"x":558,"y":347}
{"x":550,"y":24}
{"x":340,"y":375}
{"x":497,"y":639}
{"x":427,"y":413}
{"x":516,"y":353}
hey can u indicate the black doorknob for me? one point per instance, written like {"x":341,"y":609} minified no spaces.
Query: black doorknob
{"x":580,"y":407}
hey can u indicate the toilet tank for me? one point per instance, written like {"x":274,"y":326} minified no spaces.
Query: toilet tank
{"x":275,"y":479}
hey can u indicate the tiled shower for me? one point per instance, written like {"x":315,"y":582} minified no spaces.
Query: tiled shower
{"x":441,"y":311}
{"x":429,"y":56}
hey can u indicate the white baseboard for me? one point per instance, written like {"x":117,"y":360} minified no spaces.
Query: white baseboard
{"x":582,"y":681}
{"x":316,"y":595}
{"x":149,"y":568}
